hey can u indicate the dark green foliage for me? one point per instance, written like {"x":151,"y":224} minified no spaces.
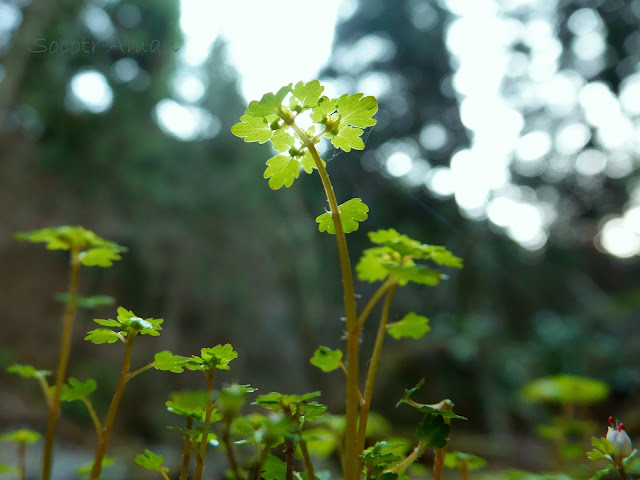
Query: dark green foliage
{"x":433,"y":431}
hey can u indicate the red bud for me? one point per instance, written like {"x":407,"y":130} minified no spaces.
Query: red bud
{"x":621,"y":427}
{"x":611,"y":421}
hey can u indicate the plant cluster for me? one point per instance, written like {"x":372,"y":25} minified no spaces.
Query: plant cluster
{"x":282,"y":437}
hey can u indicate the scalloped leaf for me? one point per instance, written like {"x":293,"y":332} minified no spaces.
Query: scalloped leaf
{"x":357,"y":110}
{"x":326,"y":106}
{"x":151,"y":461}
{"x":411,"y":326}
{"x":348,"y":138}
{"x":103,"y":335}
{"x":326,"y":359}
{"x":269,"y":104}
{"x":74,"y":389}
{"x":168,"y":362}
{"x":27,"y":371}
{"x":352,"y":212}
{"x":308,"y":93}
{"x":281,"y":171}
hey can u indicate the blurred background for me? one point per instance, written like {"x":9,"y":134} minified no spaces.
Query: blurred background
{"x":508,"y":131}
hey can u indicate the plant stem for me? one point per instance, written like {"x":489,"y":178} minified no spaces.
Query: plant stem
{"x":164,"y":475}
{"x":22,"y":460}
{"x":186,"y":455}
{"x":289,"y":451}
{"x":464,"y":471}
{"x":103,"y":439}
{"x":373,"y":368}
{"x":621,"y":470}
{"x":63,"y":362}
{"x":373,"y":300}
{"x":307,"y":459}
{"x":231,"y":458}
{"x":412,"y":457}
{"x":94,"y":417}
{"x":202,"y":451}
{"x":352,"y":461}
{"x":141,"y":369}
{"x":441,"y":453}
{"x":46,"y":390}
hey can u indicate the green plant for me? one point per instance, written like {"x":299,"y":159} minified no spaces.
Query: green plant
{"x":280,"y":441}
{"x":567,"y":431}
{"x":295,"y":128}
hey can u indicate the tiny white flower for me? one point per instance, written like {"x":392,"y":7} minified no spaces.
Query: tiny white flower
{"x":617,"y":435}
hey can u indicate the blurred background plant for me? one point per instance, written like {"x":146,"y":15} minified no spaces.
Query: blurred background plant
{"x":507,"y":131}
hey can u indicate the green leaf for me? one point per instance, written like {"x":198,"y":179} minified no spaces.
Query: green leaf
{"x":27,"y":371}
{"x":410,"y":391}
{"x":377,"y":455}
{"x":108,"y":322}
{"x":8,"y":469}
{"x":168,"y":362}
{"x":351,"y":213}
{"x":442,"y":256}
{"x":357,"y":110}
{"x":66,"y":238}
{"x":219,"y":356}
{"x":252,"y":129}
{"x":275,"y":400}
{"x":439,"y":412}
{"x":216,"y":357}
{"x":282,"y":170}
{"x":99,"y":257}
{"x":192,"y":404}
{"x":308,"y":163}
{"x":273,"y":468}
{"x":459,"y":460}
{"x":86,"y":468}
{"x":132,"y":324}
{"x":411,"y":326}
{"x":91,"y":249}
{"x":348,"y":138}
{"x":311,"y":411}
{"x":21,"y":436}
{"x":596,"y":455}
{"x":103,"y":335}
{"x":282,"y":141}
{"x":432,"y":431}
{"x":410,"y":272}
{"x":95,"y":301}
{"x":151,"y":461}
{"x":371,"y":267}
{"x":326,"y":106}
{"x":77,"y":390}
{"x":604,"y":445}
{"x":326,"y":359}
{"x":564,"y":389}
{"x":321,"y":441}
{"x":269,"y":104}
{"x":308,"y":93}
{"x":407,"y":247}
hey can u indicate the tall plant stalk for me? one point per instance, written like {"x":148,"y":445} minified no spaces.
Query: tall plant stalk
{"x":351,"y":467}
{"x":63,"y":362}
{"x":103,"y":439}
